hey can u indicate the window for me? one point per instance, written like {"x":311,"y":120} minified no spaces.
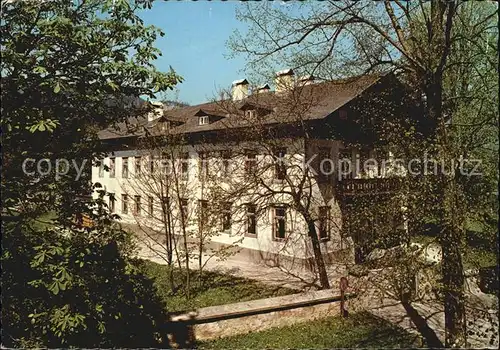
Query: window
{"x":112,"y":163}
{"x":203,"y":212}
{"x":164,"y":125}
{"x":150,"y":206}
{"x":250,"y":163}
{"x":279,"y":167}
{"x":279,"y":227}
{"x":185,"y":166}
{"x":226,"y":158}
{"x":226,"y":216}
{"x":204,"y":163}
{"x":138,"y":161}
{"x":112,"y":202}
{"x":324,"y":223}
{"x":325,"y":169}
{"x":203,"y":120}
{"x":250,"y":113}
{"x":101,"y":168}
{"x":124,"y":204}
{"x":125,"y":167}
{"x":346,"y":166}
{"x":165,"y":202}
{"x":184,"y":208}
{"x":165,"y":164}
{"x":251,"y":219}
{"x":137,"y":203}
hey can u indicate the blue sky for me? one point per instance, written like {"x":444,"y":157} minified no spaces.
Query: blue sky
{"x":194,"y":45}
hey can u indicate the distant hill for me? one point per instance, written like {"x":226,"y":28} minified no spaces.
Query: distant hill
{"x":170,"y":104}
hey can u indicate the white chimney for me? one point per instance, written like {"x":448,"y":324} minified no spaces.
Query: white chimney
{"x":239,"y":89}
{"x":284,"y":80}
{"x":156,"y":111}
{"x":263,"y":88}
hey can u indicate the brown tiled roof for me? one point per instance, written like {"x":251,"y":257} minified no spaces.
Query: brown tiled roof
{"x":312,"y":102}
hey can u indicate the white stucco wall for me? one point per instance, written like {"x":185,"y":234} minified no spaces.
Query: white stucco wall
{"x":295,"y":245}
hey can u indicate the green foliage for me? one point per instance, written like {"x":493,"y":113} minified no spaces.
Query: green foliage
{"x":70,"y":69}
{"x":214,"y":289}
{"x":357,"y":331}
{"x":60,"y":291}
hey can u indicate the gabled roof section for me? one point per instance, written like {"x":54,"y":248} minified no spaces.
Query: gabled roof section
{"x":212,"y":112}
{"x":324,"y":98}
{"x":249,"y":104}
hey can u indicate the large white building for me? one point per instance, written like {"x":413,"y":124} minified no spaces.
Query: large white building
{"x":262,"y":164}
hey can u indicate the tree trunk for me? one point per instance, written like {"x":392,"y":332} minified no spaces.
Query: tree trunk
{"x":200,"y":259}
{"x":318,"y":255}
{"x":450,"y":237}
{"x":453,"y":274}
{"x":168,"y":240}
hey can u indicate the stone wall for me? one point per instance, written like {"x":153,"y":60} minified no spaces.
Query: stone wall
{"x":257,"y":315}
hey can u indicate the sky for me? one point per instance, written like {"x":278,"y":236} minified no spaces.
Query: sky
{"x":194,"y":45}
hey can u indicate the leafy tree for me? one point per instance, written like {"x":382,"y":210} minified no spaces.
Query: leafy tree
{"x":441,"y":50}
{"x":70,"y":69}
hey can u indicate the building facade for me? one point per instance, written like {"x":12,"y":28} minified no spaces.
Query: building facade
{"x":260,"y":171}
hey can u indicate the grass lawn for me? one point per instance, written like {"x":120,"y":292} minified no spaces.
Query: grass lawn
{"x":216,"y":288}
{"x":361,"y":330}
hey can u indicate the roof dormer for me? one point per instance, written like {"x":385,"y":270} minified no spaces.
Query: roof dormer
{"x":164,"y":123}
{"x":205,"y":117}
{"x":252,"y":110}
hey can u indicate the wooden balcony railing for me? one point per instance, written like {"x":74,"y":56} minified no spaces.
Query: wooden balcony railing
{"x":354,"y":187}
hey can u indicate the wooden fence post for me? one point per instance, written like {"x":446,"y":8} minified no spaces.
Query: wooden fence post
{"x":344,"y":284}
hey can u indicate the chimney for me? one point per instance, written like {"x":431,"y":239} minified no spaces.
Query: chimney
{"x":239,"y":89}
{"x":284,"y":80}
{"x":306,"y":80}
{"x":263,"y":88}
{"x":156,"y":111}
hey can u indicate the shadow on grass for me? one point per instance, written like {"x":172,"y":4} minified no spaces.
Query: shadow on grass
{"x":211,"y":289}
{"x":430,"y":337}
{"x":361,"y":330}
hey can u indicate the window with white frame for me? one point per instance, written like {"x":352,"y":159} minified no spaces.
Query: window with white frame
{"x":279,"y":164}
{"x":184,"y":209}
{"x":203,"y":120}
{"x":204,"y":163}
{"x":185,"y":166}
{"x":101,"y":168}
{"x":138,"y":163}
{"x":111,"y":202}
{"x":137,"y":205}
{"x":250,"y":113}
{"x":251,"y":219}
{"x":279,"y":226}
{"x":226,"y":159}
{"x":125,"y":167}
{"x":124,"y":204}
{"x":166,"y":164}
{"x":226,"y":216}
{"x":250,"y":162}
{"x":112,"y":163}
